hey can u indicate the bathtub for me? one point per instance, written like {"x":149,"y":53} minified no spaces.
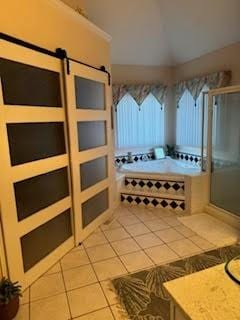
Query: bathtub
{"x":166,"y":166}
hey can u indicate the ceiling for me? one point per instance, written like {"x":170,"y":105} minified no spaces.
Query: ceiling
{"x":164,"y":32}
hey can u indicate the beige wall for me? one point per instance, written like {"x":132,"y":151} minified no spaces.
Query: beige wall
{"x":224,"y":59}
{"x":141,"y":74}
{"x":52,"y":24}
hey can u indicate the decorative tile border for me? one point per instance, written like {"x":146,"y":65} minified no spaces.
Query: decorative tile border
{"x":134,"y":199}
{"x":165,"y":186}
{"x":136,"y":157}
{"x":193,"y":158}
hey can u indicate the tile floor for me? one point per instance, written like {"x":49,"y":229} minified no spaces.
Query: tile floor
{"x":78,"y":287}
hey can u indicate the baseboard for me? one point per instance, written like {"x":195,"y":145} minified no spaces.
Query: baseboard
{"x":224,"y":215}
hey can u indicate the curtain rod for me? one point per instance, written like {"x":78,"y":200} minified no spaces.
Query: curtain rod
{"x":59,"y":53}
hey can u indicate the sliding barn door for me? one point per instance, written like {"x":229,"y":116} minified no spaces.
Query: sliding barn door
{"x":89,"y":121}
{"x":35,"y":197}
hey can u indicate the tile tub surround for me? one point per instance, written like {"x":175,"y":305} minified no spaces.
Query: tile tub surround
{"x":120,"y":159}
{"x":132,"y":240}
{"x":143,"y":294}
{"x":183,"y":193}
{"x":157,"y":185}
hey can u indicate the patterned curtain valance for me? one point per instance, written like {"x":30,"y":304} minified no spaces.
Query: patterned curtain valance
{"x":139,"y":92}
{"x":195,"y":86}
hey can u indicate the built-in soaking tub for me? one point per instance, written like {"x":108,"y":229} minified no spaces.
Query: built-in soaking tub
{"x":164,"y":166}
{"x":166,"y":183}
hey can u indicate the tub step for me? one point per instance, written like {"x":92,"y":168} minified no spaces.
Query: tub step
{"x":153,"y":194}
{"x":153,"y":202}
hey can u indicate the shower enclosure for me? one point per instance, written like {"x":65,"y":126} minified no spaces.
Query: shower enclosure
{"x":224,"y":149}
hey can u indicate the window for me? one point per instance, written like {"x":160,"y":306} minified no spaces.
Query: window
{"x":139,"y":126}
{"x":189,"y":120}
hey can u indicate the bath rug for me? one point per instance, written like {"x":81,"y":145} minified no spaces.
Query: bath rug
{"x":212,"y":229}
{"x":142,"y":294}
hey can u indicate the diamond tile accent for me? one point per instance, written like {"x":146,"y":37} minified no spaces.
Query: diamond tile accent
{"x":158,"y":185}
{"x":173,"y":205}
{"x":172,"y":187}
{"x":129,"y":199}
{"x":134,"y":183}
{"x":153,"y":202}
{"x":138,"y":200}
{"x":176,"y":186}
{"x":164,"y":203}
{"x":149,"y":184}
{"x":141,"y":183}
{"x":146,"y":201}
{"x":166,"y":185}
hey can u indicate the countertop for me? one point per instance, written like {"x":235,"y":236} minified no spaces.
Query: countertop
{"x":206,"y":295}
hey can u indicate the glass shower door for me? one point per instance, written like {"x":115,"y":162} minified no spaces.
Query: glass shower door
{"x":225,"y":149}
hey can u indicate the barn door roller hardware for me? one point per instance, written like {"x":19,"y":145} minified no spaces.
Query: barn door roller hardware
{"x":59,"y":54}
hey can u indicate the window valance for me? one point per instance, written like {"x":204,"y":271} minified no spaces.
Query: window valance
{"x":139,"y":92}
{"x":195,"y":86}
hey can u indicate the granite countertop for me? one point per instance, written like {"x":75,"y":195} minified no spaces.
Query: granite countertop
{"x":206,"y":295}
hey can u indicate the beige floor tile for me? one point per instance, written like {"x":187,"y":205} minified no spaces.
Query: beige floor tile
{"x":74,"y":259}
{"x":47,"y":286}
{"x":146,"y":215}
{"x":184,"y":247}
{"x":99,"y":253}
{"x":202,"y":243}
{"x":103,"y":314}
{"x":25,"y":296}
{"x":125,"y":246}
{"x":163,"y":213}
{"x":169,"y":235}
{"x":94,"y":239}
{"x":136,"y":261}
{"x":156,"y":224}
{"x":128,"y":220}
{"x":185,"y":231}
{"x":172,"y":221}
{"x":23,"y":313}
{"x":79,"y":247}
{"x":137,"y":229}
{"x":55,"y":269}
{"x":116,"y":234}
{"x":97,"y":230}
{"x":109,"y":292}
{"x":109,"y":268}
{"x":109,"y":226}
{"x":121,"y":211}
{"x":161,"y":254}
{"x":138,"y":210}
{"x":148,"y":240}
{"x":119,"y":312}
{"x":86,"y":300}
{"x":79,"y":277}
{"x":54,"y":308}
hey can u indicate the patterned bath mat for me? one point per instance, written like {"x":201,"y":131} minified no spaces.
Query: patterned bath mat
{"x":142,"y":294}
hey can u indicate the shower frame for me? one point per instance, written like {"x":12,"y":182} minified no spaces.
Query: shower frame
{"x":228,"y":216}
